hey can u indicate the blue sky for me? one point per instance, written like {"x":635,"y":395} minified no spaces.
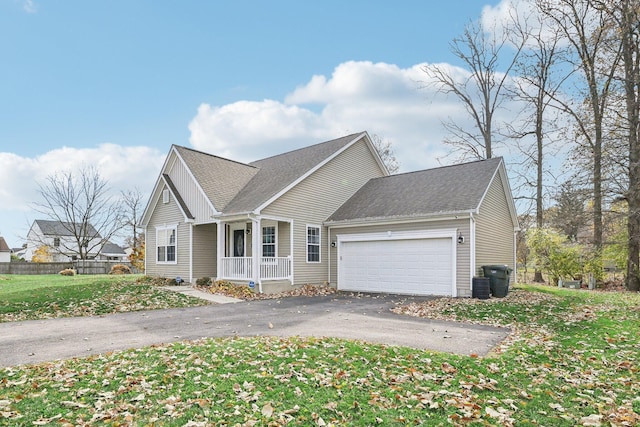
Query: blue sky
{"x":115,"y":83}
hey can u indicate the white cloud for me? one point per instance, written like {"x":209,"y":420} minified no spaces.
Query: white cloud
{"x":123,"y":167}
{"x":381,"y":98}
{"x":30,"y":6}
{"x":395,"y":103}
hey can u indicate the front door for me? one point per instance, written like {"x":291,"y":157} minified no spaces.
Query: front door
{"x":238,"y":243}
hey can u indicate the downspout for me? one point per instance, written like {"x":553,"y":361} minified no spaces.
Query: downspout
{"x":329,"y":255}
{"x":472,"y":246}
{"x":220,"y":238}
{"x":145,"y":249}
{"x":191,"y":252}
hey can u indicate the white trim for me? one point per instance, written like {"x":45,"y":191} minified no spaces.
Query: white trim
{"x":276,"y":239}
{"x":221,"y":228}
{"x":376,"y":155}
{"x":501,"y":170}
{"x":448,"y":233}
{"x":293,"y":259}
{"x":446,"y":216}
{"x":202,"y":193}
{"x":306,"y":243}
{"x":311,"y":171}
{"x":166,"y":227}
{"x":190,"y":252}
{"x":472,"y":250}
{"x":165,"y":194}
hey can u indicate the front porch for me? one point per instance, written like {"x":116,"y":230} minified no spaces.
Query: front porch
{"x":255,"y":249}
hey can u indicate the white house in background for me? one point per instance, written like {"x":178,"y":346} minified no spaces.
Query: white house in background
{"x":59,"y":237}
{"x":5,"y":251}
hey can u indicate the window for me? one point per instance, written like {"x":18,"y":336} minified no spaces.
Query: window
{"x":165,"y":196}
{"x":269,"y":241}
{"x":313,"y":244}
{"x":166,"y":244}
{"x":56,"y":242}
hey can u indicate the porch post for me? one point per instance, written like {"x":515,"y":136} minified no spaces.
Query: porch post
{"x":220,"y":228}
{"x":256,"y":250}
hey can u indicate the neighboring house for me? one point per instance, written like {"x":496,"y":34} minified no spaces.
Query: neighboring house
{"x":5,"y":251}
{"x":59,"y":237}
{"x":328,"y":213}
{"x":112,"y":252}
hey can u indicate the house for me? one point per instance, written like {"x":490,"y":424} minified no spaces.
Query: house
{"x":5,"y":251}
{"x":328,"y":213}
{"x":112,"y":252}
{"x":58,"y":236}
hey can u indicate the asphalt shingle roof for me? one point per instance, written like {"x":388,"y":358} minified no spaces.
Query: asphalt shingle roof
{"x":60,"y":228}
{"x":221,"y":179}
{"x":277,"y":172}
{"x":448,"y":189}
{"x":3,"y":245}
{"x":112,"y":249}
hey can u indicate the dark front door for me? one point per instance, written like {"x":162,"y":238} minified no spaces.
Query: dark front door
{"x":238,"y":242}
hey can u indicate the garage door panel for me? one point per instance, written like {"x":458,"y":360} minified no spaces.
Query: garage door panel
{"x":421,"y":266}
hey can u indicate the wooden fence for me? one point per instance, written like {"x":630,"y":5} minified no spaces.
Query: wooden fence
{"x":81,"y":267}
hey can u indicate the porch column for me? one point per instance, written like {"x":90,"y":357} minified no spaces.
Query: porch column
{"x":256,"y":250}
{"x":221,"y":228}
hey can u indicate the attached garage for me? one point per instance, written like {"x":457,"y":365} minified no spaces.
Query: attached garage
{"x":413,"y":263}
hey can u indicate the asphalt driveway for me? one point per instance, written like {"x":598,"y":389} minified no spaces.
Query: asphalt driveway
{"x":364,"y":317}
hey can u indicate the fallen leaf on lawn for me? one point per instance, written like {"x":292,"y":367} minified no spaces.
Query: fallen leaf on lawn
{"x":267,"y":410}
{"x":593,"y":420}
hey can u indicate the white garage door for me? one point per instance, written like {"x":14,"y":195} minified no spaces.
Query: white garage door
{"x":417,"y":266}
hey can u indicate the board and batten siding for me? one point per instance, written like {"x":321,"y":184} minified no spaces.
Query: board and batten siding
{"x":463,"y":251}
{"x":167,"y":214}
{"x":204,"y":251}
{"x":494,"y":229}
{"x":189,"y":191}
{"x":315,"y":198}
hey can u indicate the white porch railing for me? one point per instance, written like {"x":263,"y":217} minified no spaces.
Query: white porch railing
{"x":236,"y":268}
{"x":271,"y":268}
{"x":275,"y":268}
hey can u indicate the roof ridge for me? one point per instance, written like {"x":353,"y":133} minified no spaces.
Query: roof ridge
{"x":213,"y":155}
{"x":307,"y":147}
{"x":441,"y":167}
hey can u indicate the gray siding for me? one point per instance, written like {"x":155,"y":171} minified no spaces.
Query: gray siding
{"x":165,"y":214}
{"x":204,"y":251}
{"x":494,"y":229}
{"x":463,"y":257}
{"x":314,"y":199}
{"x":284,"y":240}
{"x":189,"y":191}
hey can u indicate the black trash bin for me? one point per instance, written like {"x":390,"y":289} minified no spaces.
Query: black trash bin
{"x":499,"y":279}
{"x":481,"y":287}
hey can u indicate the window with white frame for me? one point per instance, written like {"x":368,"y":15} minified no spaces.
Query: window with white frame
{"x":313,"y":243}
{"x":166,"y":244}
{"x":269,"y":241}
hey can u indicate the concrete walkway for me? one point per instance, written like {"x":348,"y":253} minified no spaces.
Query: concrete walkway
{"x":214,"y":298}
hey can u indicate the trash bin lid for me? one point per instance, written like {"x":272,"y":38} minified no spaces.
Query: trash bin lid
{"x":498,"y":267}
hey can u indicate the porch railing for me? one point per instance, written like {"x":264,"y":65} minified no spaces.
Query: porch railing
{"x":271,"y":268}
{"x":275,"y":268}
{"x":236,"y":268}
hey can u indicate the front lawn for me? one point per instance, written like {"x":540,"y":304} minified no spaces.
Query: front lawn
{"x":573,"y":360}
{"x":24,"y":297}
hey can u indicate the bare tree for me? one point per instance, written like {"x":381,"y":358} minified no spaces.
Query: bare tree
{"x":624,"y":17}
{"x":83,"y":208}
{"x":481,"y":92}
{"x":584,"y":27}
{"x":386,"y":153}
{"x":536,"y":83}
{"x":132,"y":204}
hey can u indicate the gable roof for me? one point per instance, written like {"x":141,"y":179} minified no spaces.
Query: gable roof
{"x":445,"y":190}
{"x":181,"y":204}
{"x":111,"y":248}
{"x":3,"y":245}
{"x":220,"y":179}
{"x":277,"y":173}
{"x":62,"y":228}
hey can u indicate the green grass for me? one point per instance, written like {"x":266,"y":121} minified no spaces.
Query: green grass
{"x":49,"y":296}
{"x":573,"y":359}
